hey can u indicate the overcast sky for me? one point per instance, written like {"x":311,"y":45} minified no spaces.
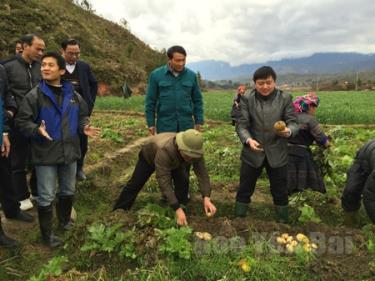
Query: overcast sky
{"x":248,"y":31}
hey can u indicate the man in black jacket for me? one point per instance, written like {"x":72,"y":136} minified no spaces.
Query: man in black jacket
{"x":18,"y":48}
{"x":80,"y":75}
{"x":52,"y":115}
{"x":5,"y":241}
{"x":360,"y":184}
{"x":23,"y":73}
{"x":8,"y":202}
{"x":262,"y":145}
{"x":8,"y":196}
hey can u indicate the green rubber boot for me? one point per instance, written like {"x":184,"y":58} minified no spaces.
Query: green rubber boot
{"x":240,"y":209}
{"x":282,"y":214}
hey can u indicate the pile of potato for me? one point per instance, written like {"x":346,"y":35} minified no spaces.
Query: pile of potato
{"x":203,"y":236}
{"x":291,"y":243}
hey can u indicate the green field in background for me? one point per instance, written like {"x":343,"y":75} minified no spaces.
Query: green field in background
{"x":335,"y":107}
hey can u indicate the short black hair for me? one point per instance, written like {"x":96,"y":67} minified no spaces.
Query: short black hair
{"x":263,"y":73}
{"x":28,"y":39}
{"x":18,"y":41}
{"x":175,"y":49}
{"x":60,"y":60}
{"x":66,"y":42}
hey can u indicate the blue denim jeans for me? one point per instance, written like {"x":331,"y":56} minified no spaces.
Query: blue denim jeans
{"x":49,"y":176}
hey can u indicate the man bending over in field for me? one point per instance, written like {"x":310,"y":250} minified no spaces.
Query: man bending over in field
{"x":168,"y":153}
{"x":360,"y":183}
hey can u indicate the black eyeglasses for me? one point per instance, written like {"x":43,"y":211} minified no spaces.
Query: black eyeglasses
{"x":73,"y":54}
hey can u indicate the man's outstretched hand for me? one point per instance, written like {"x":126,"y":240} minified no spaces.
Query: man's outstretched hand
{"x":90,"y":131}
{"x":42,"y":130}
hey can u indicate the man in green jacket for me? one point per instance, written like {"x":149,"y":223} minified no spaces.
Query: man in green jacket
{"x":263,"y":146}
{"x":163,"y":154}
{"x":174,"y":103}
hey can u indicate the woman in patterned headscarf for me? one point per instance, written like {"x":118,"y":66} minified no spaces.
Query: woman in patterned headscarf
{"x":302,"y":171}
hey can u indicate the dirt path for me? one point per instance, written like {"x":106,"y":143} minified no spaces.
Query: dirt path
{"x":104,"y":165}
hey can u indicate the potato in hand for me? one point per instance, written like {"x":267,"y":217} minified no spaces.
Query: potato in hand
{"x":279,"y":126}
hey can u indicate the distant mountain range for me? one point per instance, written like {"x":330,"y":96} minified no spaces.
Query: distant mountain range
{"x":319,"y":63}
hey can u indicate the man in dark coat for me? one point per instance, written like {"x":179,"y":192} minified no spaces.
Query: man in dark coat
{"x":5,"y":241}
{"x":80,"y":75}
{"x":52,"y":114}
{"x":23,"y":73}
{"x":8,"y":195}
{"x":18,"y":49}
{"x":8,"y":202}
{"x":262,"y":145}
{"x":360,"y":184}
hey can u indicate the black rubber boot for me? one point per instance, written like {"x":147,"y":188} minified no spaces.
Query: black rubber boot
{"x":63,"y":210}
{"x":240,"y":209}
{"x":282,"y":214}
{"x":22,"y":216}
{"x":5,"y":241}
{"x":45,"y":222}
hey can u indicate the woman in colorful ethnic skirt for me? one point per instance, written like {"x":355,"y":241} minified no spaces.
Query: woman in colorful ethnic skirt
{"x":302,"y":171}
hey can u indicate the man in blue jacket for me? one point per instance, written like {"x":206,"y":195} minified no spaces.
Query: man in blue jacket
{"x":80,"y":75}
{"x":174,"y":104}
{"x":52,"y":115}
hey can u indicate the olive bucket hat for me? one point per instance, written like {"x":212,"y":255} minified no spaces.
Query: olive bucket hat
{"x":190,"y":142}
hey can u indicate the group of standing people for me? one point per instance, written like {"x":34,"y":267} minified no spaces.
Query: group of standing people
{"x":276,"y":133}
{"x":47,"y":100}
{"x":174,"y":112}
{"x":49,"y":97}
{"x":289,"y":164}
{"x":174,"y":104}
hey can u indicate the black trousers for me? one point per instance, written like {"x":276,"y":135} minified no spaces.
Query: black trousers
{"x":140,"y":176}
{"x":19,"y":156}
{"x":360,"y":185}
{"x":355,"y":183}
{"x":278,"y":182}
{"x":8,"y":196}
{"x":83,"y":142}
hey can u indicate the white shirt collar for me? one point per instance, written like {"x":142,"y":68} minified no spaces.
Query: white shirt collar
{"x":70,"y":67}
